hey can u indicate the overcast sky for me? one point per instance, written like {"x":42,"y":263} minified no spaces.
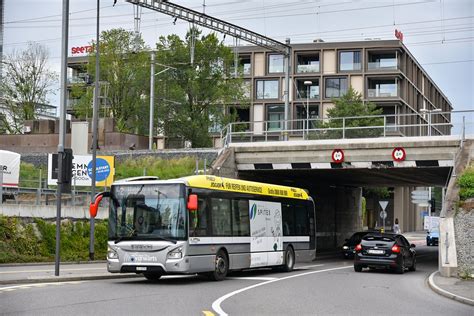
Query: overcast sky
{"x":439,"y":33}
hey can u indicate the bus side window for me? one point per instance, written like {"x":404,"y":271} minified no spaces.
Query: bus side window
{"x":301,"y":219}
{"x":220,"y":215}
{"x":240,"y":218}
{"x":288,"y":219}
{"x":199,"y":219}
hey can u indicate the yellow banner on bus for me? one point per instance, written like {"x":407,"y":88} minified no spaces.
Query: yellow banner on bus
{"x":234,"y":185}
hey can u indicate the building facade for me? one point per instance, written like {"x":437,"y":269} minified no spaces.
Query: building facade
{"x":383,"y":71}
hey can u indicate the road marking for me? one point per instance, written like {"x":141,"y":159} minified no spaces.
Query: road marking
{"x":216,"y":305}
{"x":310,"y":266}
{"x":49,"y":270}
{"x":252,"y":278}
{"x":208,"y":313}
{"x":31,"y":285}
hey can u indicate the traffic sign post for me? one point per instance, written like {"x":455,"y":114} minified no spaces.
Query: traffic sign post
{"x":383,"y":213}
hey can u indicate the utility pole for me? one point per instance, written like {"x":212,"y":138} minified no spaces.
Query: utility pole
{"x":62,"y":129}
{"x":95,"y":118}
{"x":152,"y":100}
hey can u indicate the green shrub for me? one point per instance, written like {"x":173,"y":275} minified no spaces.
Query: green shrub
{"x":466,"y":184}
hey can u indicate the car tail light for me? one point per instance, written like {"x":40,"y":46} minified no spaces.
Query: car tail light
{"x":358,"y":247}
{"x":395,"y":249}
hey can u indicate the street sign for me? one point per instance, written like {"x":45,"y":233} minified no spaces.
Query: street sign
{"x":423,"y":204}
{"x":420,"y":201}
{"x":399,"y":154}
{"x":337,"y":156}
{"x":383,"y":215}
{"x":383,"y":205}
{"x":420,"y":194}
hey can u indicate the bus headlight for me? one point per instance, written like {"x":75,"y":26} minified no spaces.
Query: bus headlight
{"x":176,"y":253}
{"x":111,"y":253}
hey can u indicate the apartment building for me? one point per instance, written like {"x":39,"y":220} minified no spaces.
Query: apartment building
{"x":383,"y":71}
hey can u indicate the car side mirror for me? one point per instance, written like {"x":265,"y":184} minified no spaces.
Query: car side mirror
{"x":428,"y":232}
{"x":412,"y":246}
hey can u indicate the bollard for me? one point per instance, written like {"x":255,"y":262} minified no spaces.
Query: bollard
{"x":447,"y":246}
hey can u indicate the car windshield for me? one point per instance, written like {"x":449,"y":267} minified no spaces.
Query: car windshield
{"x":147,"y":211}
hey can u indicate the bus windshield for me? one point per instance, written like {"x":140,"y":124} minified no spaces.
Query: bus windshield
{"x":147,"y":212}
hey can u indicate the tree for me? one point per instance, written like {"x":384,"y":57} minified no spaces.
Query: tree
{"x":25,"y":86}
{"x":351,"y":105}
{"x":194,"y":95}
{"x":125,"y":68}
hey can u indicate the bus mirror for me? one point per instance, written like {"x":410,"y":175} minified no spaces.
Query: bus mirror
{"x":193,"y":202}
{"x":94,"y":207}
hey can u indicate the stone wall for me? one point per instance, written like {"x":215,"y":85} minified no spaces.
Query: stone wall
{"x":464,"y":234}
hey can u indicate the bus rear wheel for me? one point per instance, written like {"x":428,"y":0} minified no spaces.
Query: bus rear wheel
{"x":289,"y":260}
{"x":221,"y":267}
{"x":152,"y":276}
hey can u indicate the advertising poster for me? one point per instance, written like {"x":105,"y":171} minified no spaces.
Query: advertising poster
{"x":82,"y":170}
{"x":10,"y":168}
{"x":266,"y":238}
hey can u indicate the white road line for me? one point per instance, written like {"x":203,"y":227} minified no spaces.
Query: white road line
{"x":216,"y":305}
{"x":253,"y":278}
{"x":51,"y":270}
{"x":25,"y":286}
{"x":310,"y":266}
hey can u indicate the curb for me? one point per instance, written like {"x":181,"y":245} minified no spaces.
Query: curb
{"x":445,"y":293}
{"x":49,"y":263}
{"x":69,"y":279}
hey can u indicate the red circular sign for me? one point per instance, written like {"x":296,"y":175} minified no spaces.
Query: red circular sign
{"x":337,"y":156}
{"x":399,"y":154}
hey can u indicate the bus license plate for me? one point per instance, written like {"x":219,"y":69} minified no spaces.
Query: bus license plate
{"x":376,"y":252}
{"x":141,"y":268}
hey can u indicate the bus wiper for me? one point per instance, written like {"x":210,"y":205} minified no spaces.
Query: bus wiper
{"x":161,"y":238}
{"x":122,"y":238}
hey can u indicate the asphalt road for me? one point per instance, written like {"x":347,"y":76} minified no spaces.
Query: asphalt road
{"x":324,"y":287}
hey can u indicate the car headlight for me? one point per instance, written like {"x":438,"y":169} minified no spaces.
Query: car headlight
{"x":176,"y":253}
{"x":345,"y":247}
{"x":111,"y":253}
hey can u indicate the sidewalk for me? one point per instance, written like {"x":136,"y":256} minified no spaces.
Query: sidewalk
{"x":456,"y":289}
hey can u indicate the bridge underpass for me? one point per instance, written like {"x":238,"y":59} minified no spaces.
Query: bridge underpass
{"x":336,"y":186}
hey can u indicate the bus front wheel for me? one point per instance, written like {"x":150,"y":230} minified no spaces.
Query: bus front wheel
{"x":289,"y":260}
{"x":221,"y":267}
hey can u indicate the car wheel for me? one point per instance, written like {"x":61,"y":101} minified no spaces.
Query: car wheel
{"x":289,"y":260}
{"x":401,"y":268}
{"x":357,"y":268}
{"x":413,"y":266}
{"x":152,"y":276}
{"x":221,"y":267}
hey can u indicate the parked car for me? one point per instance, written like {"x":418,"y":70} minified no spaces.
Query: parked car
{"x":433,"y":237}
{"x":389,"y":251}
{"x":349,"y":245}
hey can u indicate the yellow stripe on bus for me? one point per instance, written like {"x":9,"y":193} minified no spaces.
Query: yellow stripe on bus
{"x":242,"y":186}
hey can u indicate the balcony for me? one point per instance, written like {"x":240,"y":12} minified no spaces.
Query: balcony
{"x":382,"y":88}
{"x":307,"y":68}
{"x":382,"y":61}
{"x":76,"y":80}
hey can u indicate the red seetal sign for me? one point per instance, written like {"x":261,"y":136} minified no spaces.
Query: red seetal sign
{"x":337,"y":156}
{"x":399,"y":154}
{"x":399,"y":35}
{"x":81,"y":49}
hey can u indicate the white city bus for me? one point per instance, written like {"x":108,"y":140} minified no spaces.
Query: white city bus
{"x":207,"y":225}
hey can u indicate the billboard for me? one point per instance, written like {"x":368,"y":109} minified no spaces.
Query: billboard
{"x":10,"y":168}
{"x":82,"y":170}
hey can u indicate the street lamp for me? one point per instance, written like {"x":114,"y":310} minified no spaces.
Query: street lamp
{"x":429,"y":112}
{"x":308,"y":84}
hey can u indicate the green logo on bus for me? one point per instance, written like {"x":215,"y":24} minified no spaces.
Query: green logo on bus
{"x":253,"y":211}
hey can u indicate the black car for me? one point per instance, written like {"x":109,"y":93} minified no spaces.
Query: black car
{"x":390,"y":251}
{"x":349,"y":245}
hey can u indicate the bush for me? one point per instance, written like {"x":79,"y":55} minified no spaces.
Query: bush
{"x":466,"y":184}
{"x":36,"y":242}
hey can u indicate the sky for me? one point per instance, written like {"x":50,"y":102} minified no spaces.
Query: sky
{"x":438,"y":33}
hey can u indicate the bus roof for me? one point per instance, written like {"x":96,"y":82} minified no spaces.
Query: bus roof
{"x":243,"y":186}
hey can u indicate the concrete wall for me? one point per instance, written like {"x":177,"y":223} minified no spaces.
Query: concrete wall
{"x":464,"y":230}
{"x":49,"y":211}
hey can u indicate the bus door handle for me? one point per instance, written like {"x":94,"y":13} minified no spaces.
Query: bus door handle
{"x":194,"y":239}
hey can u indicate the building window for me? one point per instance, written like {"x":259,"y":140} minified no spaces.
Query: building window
{"x":267,"y":89}
{"x":302,"y":89}
{"x":382,"y":88}
{"x":245,"y":64}
{"x":275,"y":63}
{"x":350,"y":61}
{"x":275,"y":117}
{"x":302,"y":115}
{"x":336,"y":87}
{"x":386,"y":60}
{"x":307,"y":63}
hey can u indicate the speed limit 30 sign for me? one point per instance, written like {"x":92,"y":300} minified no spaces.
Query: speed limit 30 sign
{"x":337,"y":156}
{"x":399,"y":154}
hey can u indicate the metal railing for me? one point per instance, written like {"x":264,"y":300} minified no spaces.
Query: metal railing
{"x":427,"y":123}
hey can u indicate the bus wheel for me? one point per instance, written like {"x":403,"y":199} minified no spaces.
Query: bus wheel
{"x":221,"y":267}
{"x":152,"y":276}
{"x":289,"y":260}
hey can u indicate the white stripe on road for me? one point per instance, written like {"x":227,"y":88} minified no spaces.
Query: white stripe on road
{"x":253,"y":278}
{"x":49,"y":270}
{"x":311,"y":266}
{"x":25,"y":286}
{"x":216,"y":306}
